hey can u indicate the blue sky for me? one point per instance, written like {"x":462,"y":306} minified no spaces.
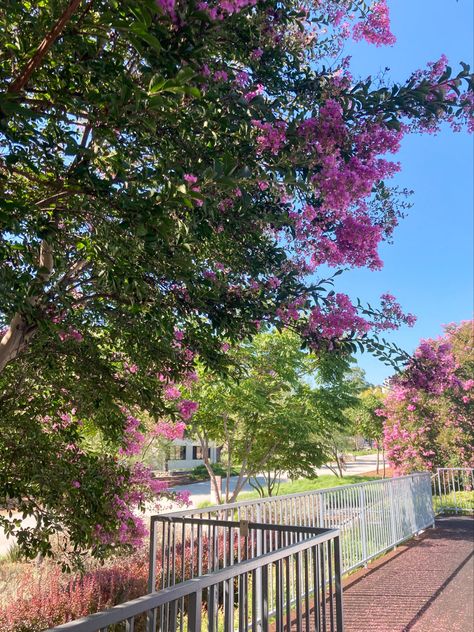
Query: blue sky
{"x":429,"y":267}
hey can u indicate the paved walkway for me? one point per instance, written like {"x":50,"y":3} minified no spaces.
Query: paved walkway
{"x":424,"y":586}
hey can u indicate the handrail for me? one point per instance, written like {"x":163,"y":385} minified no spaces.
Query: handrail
{"x":257,"y":501}
{"x":194,"y":587}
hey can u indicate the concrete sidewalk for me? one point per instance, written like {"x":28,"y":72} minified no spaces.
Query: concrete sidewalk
{"x":424,"y":586}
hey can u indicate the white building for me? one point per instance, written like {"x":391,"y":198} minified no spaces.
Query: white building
{"x":185,"y":454}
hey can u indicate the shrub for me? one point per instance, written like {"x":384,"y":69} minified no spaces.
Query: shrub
{"x":44,"y":596}
{"x":200,"y":472}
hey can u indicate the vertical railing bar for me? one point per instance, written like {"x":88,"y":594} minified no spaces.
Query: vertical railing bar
{"x":307,"y":606}
{"x":195,"y":611}
{"x":299,"y":613}
{"x":330,"y":585}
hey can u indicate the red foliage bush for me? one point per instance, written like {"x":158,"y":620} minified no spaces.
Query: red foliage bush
{"x":46,"y":597}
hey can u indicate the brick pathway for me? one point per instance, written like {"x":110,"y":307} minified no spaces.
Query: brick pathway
{"x":424,"y":586}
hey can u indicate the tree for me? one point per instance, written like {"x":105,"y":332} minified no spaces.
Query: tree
{"x":295,"y":452}
{"x":261,"y":414}
{"x":429,"y":409}
{"x":170,"y":174}
{"x":336,"y":394}
{"x":368,"y":420}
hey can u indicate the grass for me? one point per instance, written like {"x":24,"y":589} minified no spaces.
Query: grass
{"x":302,"y":485}
{"x":310,"y":484}
{"x":462,"y":501}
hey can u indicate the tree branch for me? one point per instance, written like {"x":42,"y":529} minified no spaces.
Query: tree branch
{"x":20,"y":82}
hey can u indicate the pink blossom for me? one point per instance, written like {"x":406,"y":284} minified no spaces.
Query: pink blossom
{"x":190,"y":178}
{"x":376,"y":27}
{"x":187,"y":408}
{"x":256,"y":53}
{"x":273,"y":282}
{"x":171,"y":392}
{"x":272,"y":136}
{"x":169,"y":430}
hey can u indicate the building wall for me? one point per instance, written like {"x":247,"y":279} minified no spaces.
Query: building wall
{"x":189,"y":462}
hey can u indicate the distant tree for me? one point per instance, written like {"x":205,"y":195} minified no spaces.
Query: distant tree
{"x":263,"y":411}
{"x":368,"y":420}
{"x":429,"y":409}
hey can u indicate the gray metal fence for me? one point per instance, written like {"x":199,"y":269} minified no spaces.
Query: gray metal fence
{"x":371,"y":516}
{"x":214,"y":576}
{"x":273,"y":561}
{"x":453,"y":490}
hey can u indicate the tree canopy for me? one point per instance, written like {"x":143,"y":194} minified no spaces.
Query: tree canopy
{"x":274,"y":412}
{"x":429,"y":409}
{"x":172,"y":175}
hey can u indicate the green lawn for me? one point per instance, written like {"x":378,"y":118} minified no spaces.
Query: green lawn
{"x":309,"y":484}
{"x":303,"y":485}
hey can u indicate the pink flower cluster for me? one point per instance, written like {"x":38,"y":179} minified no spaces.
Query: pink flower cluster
{"x":337,"y":318}
{"x":433,"y":368}
{"x":376,"y":27}
{"x":224,"y":8}
{"x":272,"y":136}
{"x":169,"y":431}
{"x":346,"y":163}
{"x":187,"y":408}
{"x":133,"y":438}
{"x":71,"y":334}
{"x":392,"y":314}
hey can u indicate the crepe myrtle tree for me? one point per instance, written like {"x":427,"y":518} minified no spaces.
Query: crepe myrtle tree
{"x":173,"y":174}
{"x":428,"y":412}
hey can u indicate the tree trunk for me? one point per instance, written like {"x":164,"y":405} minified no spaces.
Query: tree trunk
{"x":20,"y":331}
{"x":215,"y":487}
{"x":378,"y":459}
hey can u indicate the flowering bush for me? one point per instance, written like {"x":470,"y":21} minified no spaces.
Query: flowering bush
{"x":174,"y":173}
{"x":429,"y":410}
{"x":41,"y":597}
{"x":45,"y":597}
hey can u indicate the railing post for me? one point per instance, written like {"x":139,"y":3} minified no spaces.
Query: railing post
{"x":151,"y":615}
{"x":152,"y":557}
{"x":194,"y":611}
{"x":392,"y":514}
{"x":338,"y":582}
{"x":363,"y":522}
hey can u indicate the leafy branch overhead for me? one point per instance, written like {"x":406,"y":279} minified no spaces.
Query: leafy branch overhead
{"x":174,"y":175}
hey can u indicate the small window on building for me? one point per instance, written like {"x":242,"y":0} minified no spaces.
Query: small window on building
{"x":177,"y":453}
{"x":197,"y":452}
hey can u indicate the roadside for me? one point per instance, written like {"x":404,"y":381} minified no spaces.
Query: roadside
{"x":201,"y":492}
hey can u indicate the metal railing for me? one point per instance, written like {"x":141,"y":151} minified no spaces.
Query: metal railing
{"x":371,"y":516}
{"x":453,"y":490}
{"x":213,"y":577}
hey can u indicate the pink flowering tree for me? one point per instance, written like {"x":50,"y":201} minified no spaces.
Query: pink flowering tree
{"x":173,"y":174}
{"x":429,"y":409}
